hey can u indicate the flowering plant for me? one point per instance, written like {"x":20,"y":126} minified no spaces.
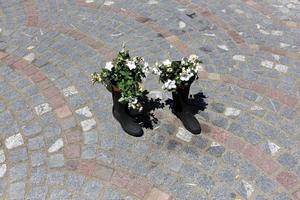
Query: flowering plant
{"x":126,"y":74}
{"x":177,"y":73}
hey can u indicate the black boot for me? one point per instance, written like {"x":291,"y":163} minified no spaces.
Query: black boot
{"x":183,"y":111}
{"x":188,"y":103}
{"x":121,"y":113}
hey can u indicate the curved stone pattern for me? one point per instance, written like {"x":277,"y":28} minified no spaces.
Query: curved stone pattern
{"x":59,"y":140}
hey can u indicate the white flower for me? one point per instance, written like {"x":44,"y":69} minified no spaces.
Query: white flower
{"x":133,"y":103}
{"x":131,"y":65}
{"x":169,"y":85}
{"x":193,"y":57}
{"x":183,"y":61}
{"x":96,"y":77}
{"x":169,"y":69}
{"x":167,"y":62}
{"x":156,"y":71}
{"x":109,"y":66}
{"x":145,"y":68}
{"x":185,"y":75}
{"x":122,"y":99}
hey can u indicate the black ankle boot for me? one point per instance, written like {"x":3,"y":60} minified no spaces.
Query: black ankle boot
{"x":182,"y":110}
{"x":121,"y":113}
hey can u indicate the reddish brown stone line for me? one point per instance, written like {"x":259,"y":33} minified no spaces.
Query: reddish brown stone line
{"x":254,"y":155}
{"x":214,"y":19}
{"x":272,"y":93}
{"x":96,"y":44}
{"x":281,"y":52}
{"x":287,"y":180}
{"x":32,"y":12}
{"x":72,"y":149}
{"x":233,"y":34}
{"x":109,"y":53}
{"x":45,"y":85}
{"x":175,"y":41}
{"x":296,"y":194}
{"x":132,"y":184}
{"x":268,"y":13}
{"x":149,"y":23}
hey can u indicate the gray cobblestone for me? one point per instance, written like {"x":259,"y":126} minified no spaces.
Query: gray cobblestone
{"x":172,"y":145}
{"x":282,"y":196}
{"x":36,"y":143}
{"x":206,"y":182}
{"x":266,"y":185}
{"x":174,"y":163}
{"x":92,"y":189}
{"x":25,"y":116}
{"x":111,"y":194}
{"x":59,"y":194}
{"x":18,"y":172}
{"x":220,"y":122}
{"x":159,"y":140}
{"x":38,"y":158}
{"x":90,"y":137}
{"x":37,"y":193}
{"x":181,"y":190}
{"x":75,"y":181}
{"x":248,"y":170}
{"x":218,"y":107}
{"x":18,"y":155}
{"x":56,"y":160}
{"x":189,"y":172}
{"x":222,"y":193}
{"x":228,"y":175}
{"x":216,"y":150}
{"x":89,"y":152}
{"x":260,"y":197}
{"x":287,"y":160}
{"x":32,"y":129}
{"x":55,"y":178}
{"x":190,"y":152}
{"x":16,"y":190}
{"x":209,"y":163}
{"x":198,"y":196}
{"x":200,"y":142}
{"x":105,"y":156}
{"x":2,"y":107}
{"x":38,"y":175}
{"x":197,"y":170}
{"x":232,"y":158}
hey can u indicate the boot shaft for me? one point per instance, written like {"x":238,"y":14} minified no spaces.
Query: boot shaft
{"x":116,"y":95}
{"x":177,"y":102}
{"x":184,"y":92}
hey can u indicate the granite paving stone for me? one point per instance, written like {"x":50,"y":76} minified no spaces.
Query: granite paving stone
{"x":59,"y":140}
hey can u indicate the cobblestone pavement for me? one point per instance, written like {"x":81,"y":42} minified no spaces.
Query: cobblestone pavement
{"x":58,"y":139}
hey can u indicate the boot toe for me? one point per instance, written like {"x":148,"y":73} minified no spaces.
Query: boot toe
{"x":195,"y":128}
{"x":191,"y":123}
{"x":134,"y":130}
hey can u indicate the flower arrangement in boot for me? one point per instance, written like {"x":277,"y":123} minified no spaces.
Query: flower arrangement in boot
{"x":123,"y":76}
{"x":177,"y":77}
